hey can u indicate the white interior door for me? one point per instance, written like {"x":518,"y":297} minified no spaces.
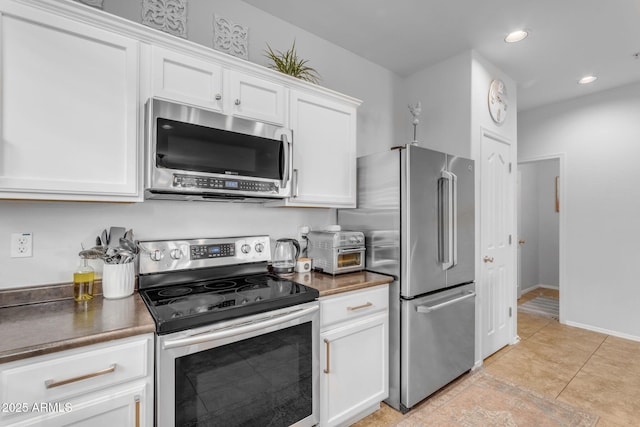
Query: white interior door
{"x":497,"y":278}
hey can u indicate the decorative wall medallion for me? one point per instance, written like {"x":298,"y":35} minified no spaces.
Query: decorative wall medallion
{"x":169,"y":16}
{"x":498,"y":101}
{"x":230,"y":37}
{"x":94,"y":3}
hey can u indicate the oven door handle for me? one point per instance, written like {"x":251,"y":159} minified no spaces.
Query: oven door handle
{"x":239,"y":329}
{"x":350,"y":251}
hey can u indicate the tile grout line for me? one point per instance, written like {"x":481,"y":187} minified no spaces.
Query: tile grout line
{"x":583,"y":365}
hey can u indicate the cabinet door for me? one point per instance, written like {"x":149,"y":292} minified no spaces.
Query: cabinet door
{"x":128,"y":406}
{"x":354,"y":359}
{"x":69,"y":99}
{"x":255,"y":98}
{"x":182,"y":78}
{"x":324,"y":152}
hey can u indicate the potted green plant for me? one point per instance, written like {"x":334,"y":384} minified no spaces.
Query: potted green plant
{"x":289,"y":63}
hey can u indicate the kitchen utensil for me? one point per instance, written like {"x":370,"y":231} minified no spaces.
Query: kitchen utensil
{"x":129,"y":245}
{"x":285,"y":255}
{"x":115,"y":234}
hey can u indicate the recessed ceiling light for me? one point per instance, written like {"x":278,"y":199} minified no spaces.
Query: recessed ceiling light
{"x":516,"y":36}
{"x":587,"y":79}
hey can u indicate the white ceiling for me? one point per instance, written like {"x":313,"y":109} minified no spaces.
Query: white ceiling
{"x":568,"y":38}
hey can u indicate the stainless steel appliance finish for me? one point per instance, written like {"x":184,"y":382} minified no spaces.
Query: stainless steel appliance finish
{"x":235,"y":345}
{"x":416,"y":208}
{"x":196,"y":154}
{"x":433,"y":326}
{"x":336,"y":252}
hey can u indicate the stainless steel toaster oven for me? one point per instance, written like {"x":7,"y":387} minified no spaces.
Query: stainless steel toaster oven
{"x":336,"y":252}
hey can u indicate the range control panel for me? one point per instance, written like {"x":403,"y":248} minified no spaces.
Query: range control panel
{"x":213,"y":251}
{"x":214,"y":183}
{"x":172,"y":255}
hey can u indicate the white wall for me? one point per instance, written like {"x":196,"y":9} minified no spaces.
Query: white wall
{"x":538,"y":224}
{"x":528,"y":226}
{"x":599,"y":136}
{"x":548,"y":223}
{"x":444,"y":91}
{"x":59,"y":228}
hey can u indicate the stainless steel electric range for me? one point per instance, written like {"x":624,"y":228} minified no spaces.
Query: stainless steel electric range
{"x":235,"y":344}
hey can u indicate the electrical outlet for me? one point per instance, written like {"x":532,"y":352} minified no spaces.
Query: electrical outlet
{"x":21,"y":245}
{"x":303,"y":230}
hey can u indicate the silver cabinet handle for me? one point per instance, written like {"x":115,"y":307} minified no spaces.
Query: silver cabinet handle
{"x":53,"y":383}
{"x":237,"y":102}
{"x":327,"y":345}
{"x":359,"y":307}
{"x":429,"y":308}
{"x":218,"y":97}
{"x":487,"y":259}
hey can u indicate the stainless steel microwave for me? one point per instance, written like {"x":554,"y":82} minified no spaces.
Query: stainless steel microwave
{"x":197,"y":154}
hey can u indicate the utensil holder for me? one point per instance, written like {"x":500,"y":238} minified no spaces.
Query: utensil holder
{"x":118,"y":280}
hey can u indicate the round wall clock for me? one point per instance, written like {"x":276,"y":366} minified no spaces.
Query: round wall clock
{"x":498,"y":101}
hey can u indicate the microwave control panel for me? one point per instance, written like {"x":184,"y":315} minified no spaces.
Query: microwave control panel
{"x":214,"y":183}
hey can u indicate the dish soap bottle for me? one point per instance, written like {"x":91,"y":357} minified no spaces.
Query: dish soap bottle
{"x":83,"y":282}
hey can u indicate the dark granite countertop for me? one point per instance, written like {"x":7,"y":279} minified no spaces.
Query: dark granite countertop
{"x":59,"y":323}
{"x":46,"y":327}
{"x":332,"y":285}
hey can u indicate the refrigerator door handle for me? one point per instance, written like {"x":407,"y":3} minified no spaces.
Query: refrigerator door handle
{"x":454,"y":218}
{"x":425,"y":308}
{"x":446,"y":249}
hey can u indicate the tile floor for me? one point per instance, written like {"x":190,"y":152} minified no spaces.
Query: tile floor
{"x":593,"y":371}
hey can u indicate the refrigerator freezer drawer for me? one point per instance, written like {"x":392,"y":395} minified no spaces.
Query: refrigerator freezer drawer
{"x":438,"y":334}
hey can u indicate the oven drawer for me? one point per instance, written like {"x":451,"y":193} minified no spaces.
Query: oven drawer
{"x":351,"y":305}
{"x":70,"y":373}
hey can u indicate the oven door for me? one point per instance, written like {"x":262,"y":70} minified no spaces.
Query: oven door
{"x":349,"y":259}
{"x":256,"y":370}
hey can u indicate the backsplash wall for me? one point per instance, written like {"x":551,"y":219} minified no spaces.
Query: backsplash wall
{"x":60,"y":227}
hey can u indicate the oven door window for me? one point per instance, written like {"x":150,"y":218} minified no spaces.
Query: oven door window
{"x":189,"y":147}
{"x":265,"y":380}
{"x":352,"y":259}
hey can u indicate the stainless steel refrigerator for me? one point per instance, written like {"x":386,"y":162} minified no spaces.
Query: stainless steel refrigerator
{"x":416,"y":208}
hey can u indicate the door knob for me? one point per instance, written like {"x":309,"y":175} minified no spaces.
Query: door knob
{"x":522,"y":242}
{"x":487,"y":259}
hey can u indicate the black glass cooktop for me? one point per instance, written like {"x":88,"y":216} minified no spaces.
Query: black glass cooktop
{"x":183,"y":306}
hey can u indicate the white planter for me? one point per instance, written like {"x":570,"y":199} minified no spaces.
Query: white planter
{"x":118,"y":280}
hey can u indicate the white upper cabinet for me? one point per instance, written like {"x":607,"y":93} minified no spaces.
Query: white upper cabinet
{"x":256,"y":98}
{"x":205,"y":83}
{"x":324,"y":151}
{"x":183,"y":78}
{"x":69,"y":118}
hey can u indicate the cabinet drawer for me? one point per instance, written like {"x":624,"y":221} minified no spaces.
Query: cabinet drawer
{"x":352,"y":305}
{"x":74,"y":372}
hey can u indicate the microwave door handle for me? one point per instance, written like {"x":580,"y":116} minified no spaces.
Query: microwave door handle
{"x":288,"y":154}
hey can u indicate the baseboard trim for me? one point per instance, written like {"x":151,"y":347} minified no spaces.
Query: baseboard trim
{"x":534,"y":287}
{"x":603,"y":331}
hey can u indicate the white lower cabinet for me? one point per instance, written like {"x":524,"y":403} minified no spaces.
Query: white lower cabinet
{"x":105,"y":384}
{"x":354,"y":356}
